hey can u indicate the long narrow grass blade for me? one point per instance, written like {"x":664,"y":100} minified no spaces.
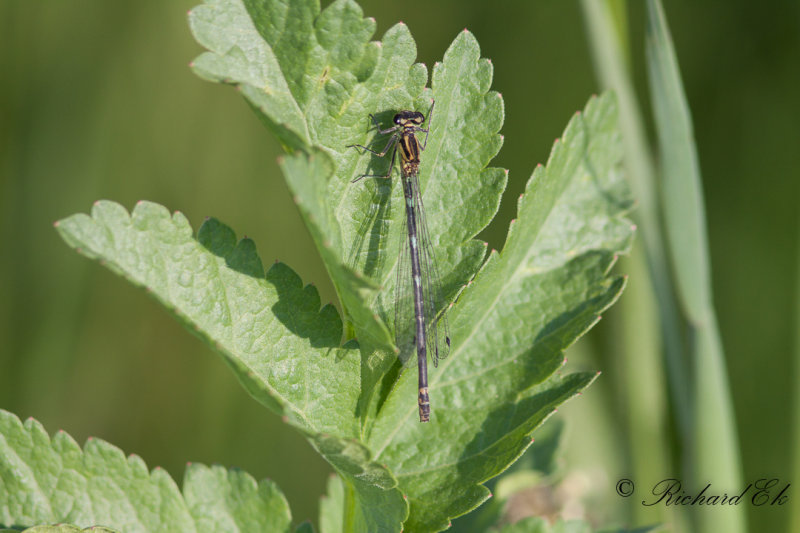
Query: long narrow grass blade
{"x":715,"y":450}
{"x":608,"y":43}
{"x":648,"y":322}
{"x":794,"y":515}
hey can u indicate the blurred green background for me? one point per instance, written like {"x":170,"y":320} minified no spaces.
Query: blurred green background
{"x":97,"y":101}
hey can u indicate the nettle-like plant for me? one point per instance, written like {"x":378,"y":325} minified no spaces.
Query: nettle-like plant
{"x":313,"y":77}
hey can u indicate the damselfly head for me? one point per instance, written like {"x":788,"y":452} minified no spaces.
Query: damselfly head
{"x":403,"y":118}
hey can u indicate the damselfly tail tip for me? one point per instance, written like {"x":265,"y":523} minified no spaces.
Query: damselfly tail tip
{"x":424,"y":405}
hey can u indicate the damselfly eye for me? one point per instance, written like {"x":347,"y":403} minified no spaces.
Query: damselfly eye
{"x":398,"y":119}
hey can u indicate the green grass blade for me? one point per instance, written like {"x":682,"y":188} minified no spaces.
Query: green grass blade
{"x":794,"y":515}
{"x":684,"y":210}
{"x":648,"y":322}
{"x":715,"y":450}
{"x":610,"y":59}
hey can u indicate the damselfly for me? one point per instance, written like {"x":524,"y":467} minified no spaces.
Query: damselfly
{"x":420,"y":321}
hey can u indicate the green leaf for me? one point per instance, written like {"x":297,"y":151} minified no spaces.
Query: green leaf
{"x":268,"y":328}
{"x":530,"y":470}
{"x":331,"y":507}
{"x":542,"y":456}
{"x":314,"y":77}
{"x":231,"y":500}
{"x":511,"y":326}
{"x":64,"y":528}
{"x":47,"y":481}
